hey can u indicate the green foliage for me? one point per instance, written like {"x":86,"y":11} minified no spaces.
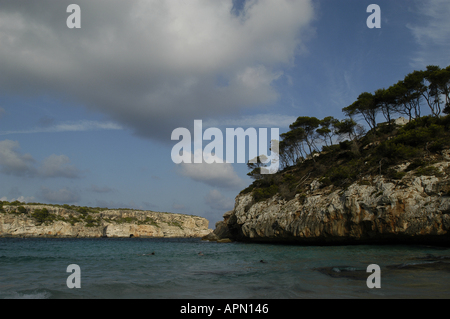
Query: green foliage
{"x":302,"y":198}
{"x":255,"y":168}
{"x":341,"y":174}
{"x":423,"y":138}
{"x":91,"y":222}
{"x":415,"y":164}
{"x":72,"y":220}
{"x":331,"y":148}
{"x":43,"y":215}
{"x":428,"y":171}
{"x":148,"y":221}
{"x":248,"y":189}
{"x":346,"y":127}
{"x":83,"y":210}
{"x":21,"y":210}
{"x":125,"y":220}
{"x":289,"y":179}
{"x":394,"y":174}
{"x":175,"y":223}
{"x":260,"y":194}
{"x":393,"y":151}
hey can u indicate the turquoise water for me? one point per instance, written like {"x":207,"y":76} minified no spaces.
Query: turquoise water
{"x":125,"y":268}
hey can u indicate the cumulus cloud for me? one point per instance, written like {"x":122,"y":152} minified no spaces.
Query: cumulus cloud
{"x":12,"y":162}
{"x":215,"y":200}
{"x":64,"y":195}
{"x":218,"y":174}
{"x":21,"y":199}
{"x":58,"y":166}
{"x":152,"y":65}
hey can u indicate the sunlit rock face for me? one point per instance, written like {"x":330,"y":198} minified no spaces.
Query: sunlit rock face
{"x":415,"y":209}
{"x":106,"y":223}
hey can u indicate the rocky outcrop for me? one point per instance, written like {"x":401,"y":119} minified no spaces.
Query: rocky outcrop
{"x":63,"y":222}
{"x":414,"y":209}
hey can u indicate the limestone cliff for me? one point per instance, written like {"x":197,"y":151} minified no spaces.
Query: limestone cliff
{"x":413,"y":209}
{"x":66,"y":222}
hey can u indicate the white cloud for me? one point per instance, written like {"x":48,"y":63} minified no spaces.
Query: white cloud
{"x":80,"y":126}
{"x":22,"y":199}
{"x":12,"y":162}
{"x":216,"y":200}
{"x":57,"y":166}
{"x":433,"y":36}
{"x":259,"y":120}
{"x":64,"y":195}
{"x":216,"y":174}
{"x":152,"y":65}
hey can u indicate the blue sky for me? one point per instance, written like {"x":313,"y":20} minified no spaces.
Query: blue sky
{"x":86,"y":114}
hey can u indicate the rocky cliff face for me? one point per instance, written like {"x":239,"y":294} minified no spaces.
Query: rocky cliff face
{"x":62,"y":222}
{"x":415,"y":209}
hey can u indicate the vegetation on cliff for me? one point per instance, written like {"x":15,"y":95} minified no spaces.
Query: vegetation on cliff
{"x":350,"y":154}
{"x":88,"y":216}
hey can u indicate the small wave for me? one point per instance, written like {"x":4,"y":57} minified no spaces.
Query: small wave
{"x":411,"y":264}
{"x":340,"y":269}
{"x":32,"y":295}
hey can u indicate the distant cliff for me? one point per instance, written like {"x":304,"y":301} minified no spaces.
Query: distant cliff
{"x":72,"y":222}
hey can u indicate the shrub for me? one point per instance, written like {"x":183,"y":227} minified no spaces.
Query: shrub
{"x":325,"y":181}
{"x":394,"y":174}
{"x":393,"y":151}
{"x":344,"y":173}
{"x":415,"y":164}
{"x":148,"y":221}
{"x":428,"y":171}
{"x":21,"y":210}
{"x":437,"y":146}
{"x":73,"y":220}
{"x":331,"y":148}
{"x":83,"y":210}
{"x":42,"y":215}
{"x":288,"y":178}
{"x":260,"y":194}
{"x":302,"y":198}
{"x":91,"y":222}
{"x":345,"y":145}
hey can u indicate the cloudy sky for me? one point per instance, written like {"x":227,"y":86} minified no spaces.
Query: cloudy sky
{"x":86,"y":114}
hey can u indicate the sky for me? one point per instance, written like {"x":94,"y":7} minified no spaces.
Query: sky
{"x":87,"y":114}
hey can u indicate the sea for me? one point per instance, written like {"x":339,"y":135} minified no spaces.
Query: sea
{"x":162,"y":268}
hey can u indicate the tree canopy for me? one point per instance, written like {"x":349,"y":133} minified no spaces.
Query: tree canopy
{"x":407,"y":97}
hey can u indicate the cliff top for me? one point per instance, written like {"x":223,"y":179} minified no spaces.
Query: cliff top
{"x":77,"y":209}
{"x":388,"y":150}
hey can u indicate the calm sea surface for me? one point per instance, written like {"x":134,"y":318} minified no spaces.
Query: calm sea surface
{"x":125,"y":268}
